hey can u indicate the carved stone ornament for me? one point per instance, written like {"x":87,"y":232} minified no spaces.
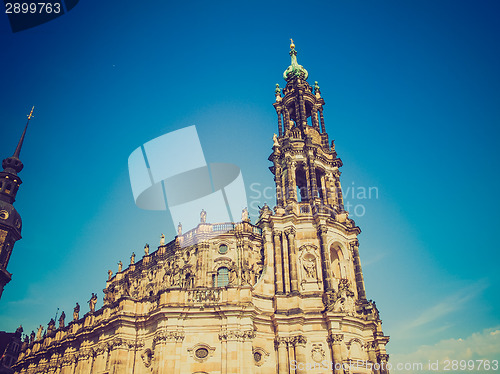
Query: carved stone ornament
{"x":172,"y":336}
{"x":260,"y":356}
{"x":317,"y":352}
{"x":210,"y":295}
{"x":147,"y":357}
{"x":238,"y":335}
{"x":335,"y":338}
{"x":299,"y":340}
{"x":342,"y":300}
{"x":383,"y":357}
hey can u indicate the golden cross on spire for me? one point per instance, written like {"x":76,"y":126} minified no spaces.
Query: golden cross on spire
{"x":31,"y":113}
{"x":292,"y":46}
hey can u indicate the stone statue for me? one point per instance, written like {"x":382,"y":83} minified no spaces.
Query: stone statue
{"x":232,"y":277}
{"x":120,"y":266}
{"x":162,"y":239}
{"x":110,"y":274}
{"x":132,"y":258}
{"x":25,"y":344}
{"x":146,"y":250}
{"x":275,"y":141}
{"x":32,"y":337}
{"x":92,"y":302}
{"x":61,"y":320}
{"x":166,"y":278}
{"x":51,"y":326}
{"x":244,"y":215}
{"x":19,"y":331}
{"x":76,"y":311}
{"x":310,"y":268}
{"x":203,"y":216}
{"x":39,"y":333}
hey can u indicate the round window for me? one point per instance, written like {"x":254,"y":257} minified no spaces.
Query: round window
{"x":223,"y":249}
{"x":257,"y":356}
{"x":4,"y":214}
{"x":201,"y":352}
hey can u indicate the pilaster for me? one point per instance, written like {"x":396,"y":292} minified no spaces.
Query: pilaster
{"x":278,"y":262}
{"x":294,"y":278}
{"x":334,"y":342}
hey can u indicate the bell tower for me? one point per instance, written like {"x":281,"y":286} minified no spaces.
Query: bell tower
{"x":311,"y":243}
{"x":10,"y":220}
{"x":306,"y":166}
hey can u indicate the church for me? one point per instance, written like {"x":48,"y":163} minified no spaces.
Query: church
{"x":282,"y":295}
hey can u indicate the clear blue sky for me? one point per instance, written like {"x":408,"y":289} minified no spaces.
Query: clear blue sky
{"x":412,"y":99}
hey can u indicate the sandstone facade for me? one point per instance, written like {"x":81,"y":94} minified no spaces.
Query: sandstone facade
{"x":283,"y":295}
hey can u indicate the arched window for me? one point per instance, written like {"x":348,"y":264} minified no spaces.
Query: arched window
{"x":222,"y":277}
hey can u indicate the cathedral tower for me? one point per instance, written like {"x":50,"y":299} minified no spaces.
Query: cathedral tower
{"x":10,"y":220}
{"x":313,"y":243}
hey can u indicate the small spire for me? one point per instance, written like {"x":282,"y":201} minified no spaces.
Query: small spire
{"x":292,"y":46}
{"x":20,"y":144}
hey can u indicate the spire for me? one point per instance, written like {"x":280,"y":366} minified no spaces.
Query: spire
{"x":13,"y":164}
{"x":294,"y":70}
{"x":20,"y":144}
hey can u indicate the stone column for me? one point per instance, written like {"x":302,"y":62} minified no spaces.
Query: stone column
{"x":324,"y":191}
{"x":279,"y":185}
{"x":383,"y":358}
{"x":372,"y":356}
{"x":300,"y":353}
{"x":278,"y":269}
{"x":286,"y":120}
{"x":335,"y":341}
{"x":286,"y":266}
{"x":231,"y":338}
{"x":360,"y":284}
{"x":292,"y":195}
{"x":308,"y":182}
{"x":312,"y":172}
{"x":294,"y":278}
{"x":85,"y":357}
{"x":303,"y":117}
{"x":325,"y":259}
{"x":223,"y":352}
{"x":177,"y":337}
{"x":333,"y":192}
{"x":322,"y":119}
{"x":239,"y":256}
{"x":280,"y":126}
{"x":340,"y":198}
{"x":297,"y":113}
{"x":281,"y":347}
{"x":119,"y":351}
{"x":291,"y":353}
{"x":314,"y":117}
{"x":246,"y":361}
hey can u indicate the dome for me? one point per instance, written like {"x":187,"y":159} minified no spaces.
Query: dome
{"x":294,"y":70}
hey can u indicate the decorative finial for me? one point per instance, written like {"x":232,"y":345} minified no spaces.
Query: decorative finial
{"x":30,"y":116}
{"x":317,"y":92}
{"x":278,"y":92}
{"x":292,"y":46}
